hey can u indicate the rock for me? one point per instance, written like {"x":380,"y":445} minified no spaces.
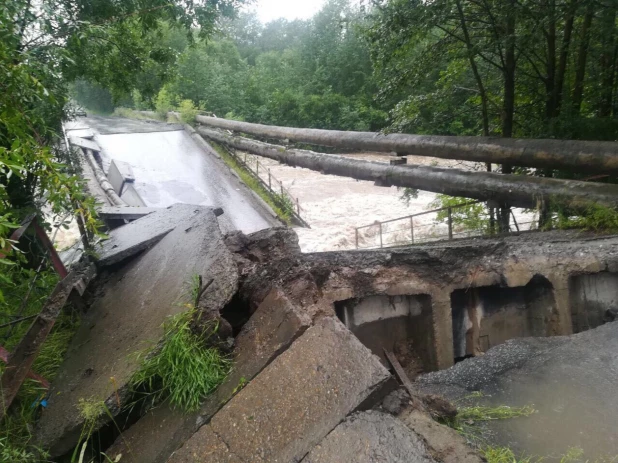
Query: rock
{"x":439,"y":407}
{"x":396,"y":401}
{"x":443,"y":443}
{"x":127,"y":319}
{"x":274,"y":326}
{"x":370,"y":437}
{"x":298,"y":399}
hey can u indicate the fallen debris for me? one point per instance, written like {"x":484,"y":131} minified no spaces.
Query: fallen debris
{"x":370,"y":437}
{"x":127,"y":317}
{"x":297,"y":400}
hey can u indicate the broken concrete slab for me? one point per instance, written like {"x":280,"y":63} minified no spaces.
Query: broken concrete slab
{"x":298,"y":399}
{"x":369,"y":437}
{"x":127,"y":319}
{"x":119,"y":174}
{"x":443,"y":443}
{"x":84,"y":143}
{"x":137,"y":236}
{"x":125,"y":213}
{"x":210,"y":448}
{"x":273,"y":328}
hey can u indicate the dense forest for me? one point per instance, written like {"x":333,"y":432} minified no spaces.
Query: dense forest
{"x":543,"y":68}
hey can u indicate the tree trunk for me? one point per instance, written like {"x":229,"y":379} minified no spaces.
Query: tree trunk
{"x":564,"y":57}
{"x":519,"y":191}
{"x":475,"y":70}
{"x":582,"y":59}
{"x":608,"y":66}
{"x":579,"y":156}
{"x":550,"y":81}
{"x":508,"y":105}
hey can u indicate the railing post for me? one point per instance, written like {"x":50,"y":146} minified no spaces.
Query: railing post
{"x":356,"y":230}
{"x":450,"y":223}
{"x":412,"y":228}
{"x":298,"y":206}
{"x":269,"y":180}
{"x":381,"y":240}
{"x":245,"y":158}
{"x":282,"y":193}
{"x":257,"y":167}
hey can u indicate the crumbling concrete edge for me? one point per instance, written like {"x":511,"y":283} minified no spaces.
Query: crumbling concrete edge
{"x":207,"y":148}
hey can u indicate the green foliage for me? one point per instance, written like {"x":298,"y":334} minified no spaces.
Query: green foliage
{"x":15,"y":429}
{"x":408,"y":195}
{"x":183,"y":370}
{"x":465,"y":213}
{"x":594,"y":218}
{"x":165,"y":102}
{"x":187,"y":111}
{"x":11,"y":454}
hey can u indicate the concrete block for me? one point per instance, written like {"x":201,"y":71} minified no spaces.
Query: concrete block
{"x":274,"y":326}
{"x":84,"y":143}
{"x":368,"y":437}
{"x":297,"y":400}
{"x":119,"y":174}
{"x":210,"y":449}
{"x":131,"y":196}
{"x":127,"y":318}
{"x":137,"y":236}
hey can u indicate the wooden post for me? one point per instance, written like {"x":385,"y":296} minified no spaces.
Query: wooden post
{"x":381,"y":240}
{"x":356,"y":230}
{"x":245,"y":158}
{"x":412,"y":228}
{"x":298,"y":206}
{"x":257,"y":167}
{"x":450,"y":223}
{"x":269,"y":180}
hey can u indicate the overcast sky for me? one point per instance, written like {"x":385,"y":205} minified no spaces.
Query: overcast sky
{"x":290,"y":9}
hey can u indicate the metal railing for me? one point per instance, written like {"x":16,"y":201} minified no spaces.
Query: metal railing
{"x":263,"y":174}
{"x":442,"y":224}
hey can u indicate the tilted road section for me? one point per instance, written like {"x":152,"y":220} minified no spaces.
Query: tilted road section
{"x":171,"y":168}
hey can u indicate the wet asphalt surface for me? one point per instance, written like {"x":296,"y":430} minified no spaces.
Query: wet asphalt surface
{"x":170,"y":168}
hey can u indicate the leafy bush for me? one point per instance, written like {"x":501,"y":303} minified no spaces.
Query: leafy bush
{"x":187,"y":111}
{"x":165,"y":102}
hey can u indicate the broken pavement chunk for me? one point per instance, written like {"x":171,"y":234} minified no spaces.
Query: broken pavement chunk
{"x":127,"y":318}
{"x":297,"y":400}
{"x":369,"y":437}
{"x":137,"y":236}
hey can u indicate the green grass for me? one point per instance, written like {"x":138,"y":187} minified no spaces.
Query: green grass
{"x":133,"y":114}
{"x":16,"y":428}
{"x":182,"y":370}
{"x":282,"y":206}
{"x":470,"y":416}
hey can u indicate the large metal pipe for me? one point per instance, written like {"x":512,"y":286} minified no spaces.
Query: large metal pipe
{"x":516,"y":190}
{"x":568,"y":155}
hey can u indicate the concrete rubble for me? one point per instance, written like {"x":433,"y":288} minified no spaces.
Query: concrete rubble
{"x":369,"y":437}
{"x":297,"y":400}
{"x":126,"y":316}
{"x":273,"y":328}
{"x":304,"y":386}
